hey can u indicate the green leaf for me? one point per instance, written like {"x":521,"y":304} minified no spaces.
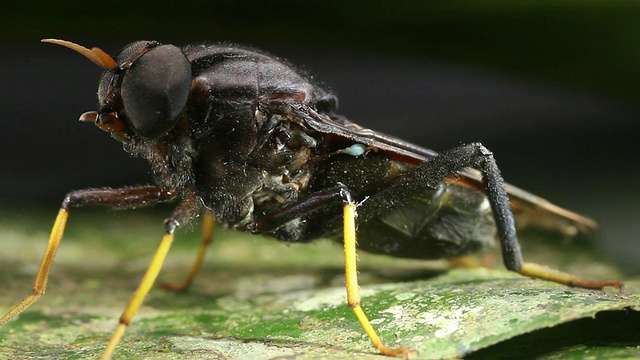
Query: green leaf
{"x":261,"y":299}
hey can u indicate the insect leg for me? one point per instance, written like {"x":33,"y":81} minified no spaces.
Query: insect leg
{"x":143,"y":289}
{"x":437,"y":169}
{"x":129,"y":197}
{"x":40,"y":285}
{"x":353,"y":288}
{"x":481,"y":157}
{"x":315,"y":202}
{"x":208,"y":225}
{"x":182,"y":213}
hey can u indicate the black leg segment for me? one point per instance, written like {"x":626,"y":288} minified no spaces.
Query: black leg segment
{"x":481,"y":158}
{"x":314,"y":202}
{"x":431,"y":173}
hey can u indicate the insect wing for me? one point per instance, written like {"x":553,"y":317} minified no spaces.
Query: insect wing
{"x":530,"y":210}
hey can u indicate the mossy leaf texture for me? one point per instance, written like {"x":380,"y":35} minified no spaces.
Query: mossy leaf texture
{"x":261,"y":299}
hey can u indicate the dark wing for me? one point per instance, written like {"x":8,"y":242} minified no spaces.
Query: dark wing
{"x":530,"y":210}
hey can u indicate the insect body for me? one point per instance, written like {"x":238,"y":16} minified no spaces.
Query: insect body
{"x":242,"y":137}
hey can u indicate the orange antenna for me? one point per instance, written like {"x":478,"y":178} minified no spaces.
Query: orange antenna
{"x":96,"y":55}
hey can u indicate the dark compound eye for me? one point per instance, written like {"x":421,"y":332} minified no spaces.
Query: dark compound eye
{"x":155,"y":90}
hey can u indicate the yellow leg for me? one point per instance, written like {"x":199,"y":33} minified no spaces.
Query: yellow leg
{"x":353,"y":289}
{"x":143,"y":289}
{"x":208,"y":225}
{"x":468,"y":261}
{"x":40,"y":284}
{"x":541,"y":272}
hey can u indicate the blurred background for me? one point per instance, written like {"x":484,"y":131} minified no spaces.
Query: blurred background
{"x":551,"y":87}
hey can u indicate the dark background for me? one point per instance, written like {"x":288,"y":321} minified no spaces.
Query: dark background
{"x":552,"y":87}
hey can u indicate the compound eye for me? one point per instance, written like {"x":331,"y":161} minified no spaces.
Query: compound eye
{"x":155,"y":90}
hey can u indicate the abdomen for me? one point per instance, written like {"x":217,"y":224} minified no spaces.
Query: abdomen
{"x":452,"y":221}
